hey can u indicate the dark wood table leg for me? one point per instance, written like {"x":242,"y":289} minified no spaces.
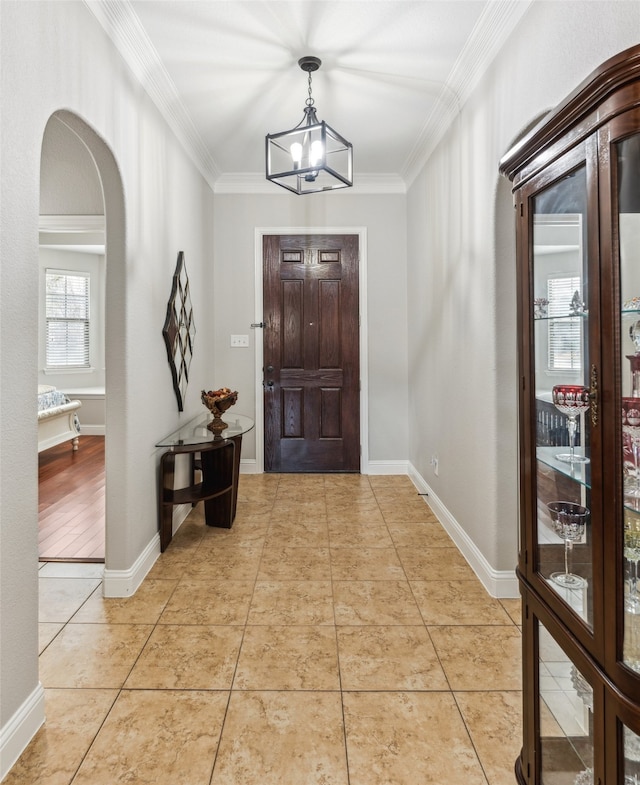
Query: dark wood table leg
{"x":217,"y":478}
{"x":165,"y":505}
{"x":236,"y":475}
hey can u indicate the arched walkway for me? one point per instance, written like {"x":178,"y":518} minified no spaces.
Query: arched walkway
{"x":115,"y":321}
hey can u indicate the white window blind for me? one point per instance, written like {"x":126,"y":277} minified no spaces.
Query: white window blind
{"x":565,"y":334}
{"x":67,"y":316}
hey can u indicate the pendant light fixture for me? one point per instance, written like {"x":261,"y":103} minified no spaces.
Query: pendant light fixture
{"x":311,"y":157}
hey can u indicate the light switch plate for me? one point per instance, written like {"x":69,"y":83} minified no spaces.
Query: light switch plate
{"x":239,"y":340}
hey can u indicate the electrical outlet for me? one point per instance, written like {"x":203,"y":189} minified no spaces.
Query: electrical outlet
{"x":239,"y":340}
{"x":434,"y":464}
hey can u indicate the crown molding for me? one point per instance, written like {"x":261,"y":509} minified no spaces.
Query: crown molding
{"x":494,"y":26}
{"x":122,"y":25}
{"x":255,"y":183}
{"x":83,"y":233}
{"x":71,"y":223}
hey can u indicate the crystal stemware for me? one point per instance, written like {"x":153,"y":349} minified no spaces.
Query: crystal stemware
{"x":632,"y":555}
{"x":572,"y":400}
{"x":631,"y":441}
{"x":585,"y":778}
{"x":569,"y":522}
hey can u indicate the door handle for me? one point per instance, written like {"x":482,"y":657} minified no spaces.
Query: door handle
{"x":268,"y":385}
{"x":269,"y":368}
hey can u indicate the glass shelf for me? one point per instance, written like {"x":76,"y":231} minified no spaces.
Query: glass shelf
{"x":580,"y":472}
{"x":196,"y":432}
{"x":582,"y":315}
{"x":632,"y":504}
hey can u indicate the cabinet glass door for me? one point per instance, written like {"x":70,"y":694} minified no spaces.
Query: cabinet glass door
{"x":628,"y":157}
{"x":566,"y":717}
{"x":561,"y":370}
{"x":631,"y":761}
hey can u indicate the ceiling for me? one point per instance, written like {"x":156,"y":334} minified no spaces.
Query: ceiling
{"x":224,"y":73}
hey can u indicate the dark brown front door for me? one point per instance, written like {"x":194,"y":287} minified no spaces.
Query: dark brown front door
{"x":311,"y":353}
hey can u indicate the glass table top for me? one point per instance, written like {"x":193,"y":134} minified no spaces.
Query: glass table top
{"x":196,"y":432}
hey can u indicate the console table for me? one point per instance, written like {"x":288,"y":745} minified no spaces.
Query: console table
{"x":217,"y":457}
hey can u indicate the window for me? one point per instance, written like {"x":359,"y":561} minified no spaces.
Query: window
{"x":67,"y":315}
{"x":565,"y":335}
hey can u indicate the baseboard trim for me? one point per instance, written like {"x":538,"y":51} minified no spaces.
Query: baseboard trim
{"x":92,"y":430}
{"x":386,"y":467}
{"x":21,"y":728}
{"x":501,"y":584}
{"x":125,"y":583}
{"x":249,"y":466}
{"x":180,"y":513}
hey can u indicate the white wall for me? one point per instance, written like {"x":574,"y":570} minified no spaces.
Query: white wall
{"x":462,"y":328}
{"x":69,"y":181}
{"x":384,"y":218}
{"x":55,"y":56}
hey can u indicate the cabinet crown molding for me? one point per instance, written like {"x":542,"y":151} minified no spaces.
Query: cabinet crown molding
{"x":585,"y":106}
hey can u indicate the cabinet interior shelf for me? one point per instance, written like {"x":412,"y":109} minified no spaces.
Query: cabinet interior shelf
{"x":561,"y":317}
{"x":580,"y":472}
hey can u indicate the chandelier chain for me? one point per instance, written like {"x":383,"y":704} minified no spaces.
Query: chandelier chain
{"x":309,"y":101}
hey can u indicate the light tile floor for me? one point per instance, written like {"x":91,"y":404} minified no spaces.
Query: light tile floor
{"x":333,"y":636}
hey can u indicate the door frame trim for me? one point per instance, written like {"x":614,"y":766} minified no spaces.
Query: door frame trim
{"x":361,"y":232}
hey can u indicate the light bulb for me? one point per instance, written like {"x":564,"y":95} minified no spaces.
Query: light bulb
{"x":316,"y":152}
{"x":296,"y":154}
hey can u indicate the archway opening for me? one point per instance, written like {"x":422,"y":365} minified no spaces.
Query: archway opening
{"x":71,"y":359}
{"x":81,"y":182}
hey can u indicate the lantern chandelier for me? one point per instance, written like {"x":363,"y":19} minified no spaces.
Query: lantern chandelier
{"x":311,"y":157}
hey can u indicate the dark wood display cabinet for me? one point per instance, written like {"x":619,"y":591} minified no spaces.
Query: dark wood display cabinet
{"x":576,"y":179}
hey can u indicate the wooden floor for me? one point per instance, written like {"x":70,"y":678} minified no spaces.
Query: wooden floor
{"x":71,"y":502}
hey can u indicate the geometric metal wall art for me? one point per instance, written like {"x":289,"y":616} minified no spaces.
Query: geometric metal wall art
{"x":179,"y":331}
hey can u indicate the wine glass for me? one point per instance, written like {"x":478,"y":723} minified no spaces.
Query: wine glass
{"x":631,"y":440}
{"x":569,"y":521}
{"x":632,"y":555}
{"x":572,"y":400}
{"x":585,"y":778}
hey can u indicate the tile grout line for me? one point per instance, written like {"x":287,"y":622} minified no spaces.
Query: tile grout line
{"x":244,"y":630}
{"x":335,"y":627}
{"x":331,"y":546}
